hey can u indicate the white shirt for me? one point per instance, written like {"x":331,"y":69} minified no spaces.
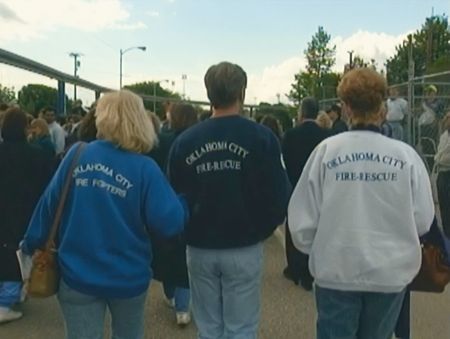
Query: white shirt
{"x":358,"y":209}
{"x":58,"y":136}
{"x":397,"y":108}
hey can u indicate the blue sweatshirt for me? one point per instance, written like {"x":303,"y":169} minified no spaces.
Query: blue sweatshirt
{"x":231,"y":172}
{"x":117,"y":198}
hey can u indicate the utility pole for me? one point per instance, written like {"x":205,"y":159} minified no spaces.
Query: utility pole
{"x":350,"y":61}
{"x":76,"y":65}
{"x":184,"y":78}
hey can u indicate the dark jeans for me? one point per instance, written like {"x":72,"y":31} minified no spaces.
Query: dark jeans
{"x":360,"y":315}
{"x":297,"y":261}
{"x":402,"y":328}
{"x":443,"y":188}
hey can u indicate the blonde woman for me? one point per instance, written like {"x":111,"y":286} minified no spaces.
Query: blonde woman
{"x":324,"y":121}
{"x":358,"y":210}
{"x":40,"y":136}
{"x":118,"y":197}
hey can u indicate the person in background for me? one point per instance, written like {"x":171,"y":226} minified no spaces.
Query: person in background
{"x":118,"y":197}
{"x":57,"y":133}
{"x":166,"y":123}
{"x":273,"y":124}
{"x":40,"y":136}
{"x":397,"y":111}
{"x":335,"y":114}
{"x":385,"y":127}
{"x":231,"y":172}
{"x":355,"y":187}
{"x":87,"y":130}
{"x":170,"y":255}
{"x":442,"y":159}
{"x":324,"y":121}
{"x":24,"y":172}
{"x":297,"y":145}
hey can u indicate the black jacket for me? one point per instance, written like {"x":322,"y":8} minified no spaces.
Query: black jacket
{"x":24,"y":173}
{"x":298,"y":144}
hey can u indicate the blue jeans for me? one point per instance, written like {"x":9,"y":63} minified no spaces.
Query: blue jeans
{"x":84,"y":315}
{"x":181,"y":295}
{"x":362,"y":315}
{"x":397,"y":130}
{"x":10,"y":292}
{"x":225,"y":286}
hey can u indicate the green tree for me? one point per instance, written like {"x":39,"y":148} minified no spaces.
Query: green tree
{"x":150,"y":87}
{"x":34,"y":97}
{"x":281,"y":112}
{"x":314,"y":81}
{"x":430,"y":48}
{"x":7,"y":94}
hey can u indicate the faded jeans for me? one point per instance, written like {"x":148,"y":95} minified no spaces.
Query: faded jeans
{"x":356,"y":315}
{"x":225,"y":288}
{"x":84,"y":315}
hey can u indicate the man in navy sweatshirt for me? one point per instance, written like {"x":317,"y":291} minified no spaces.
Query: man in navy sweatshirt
{"x":231,"y":172}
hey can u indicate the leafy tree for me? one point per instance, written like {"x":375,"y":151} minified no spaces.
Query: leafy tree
{"x":430,"y":48}
{"x":34,"y":97}
{"x":7,"y":94}
{"x":150,"y":87}
{"x":320,"y":57}
{"x":283,"y":113}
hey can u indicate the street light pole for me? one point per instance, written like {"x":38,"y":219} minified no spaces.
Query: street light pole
{"x":122,"y":52}
{"x":76,"y":64}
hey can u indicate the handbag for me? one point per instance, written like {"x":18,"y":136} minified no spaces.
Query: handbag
{"x":44,"y":276}
{"x":434,"y":273}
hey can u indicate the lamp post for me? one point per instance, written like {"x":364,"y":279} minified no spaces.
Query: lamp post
{"x":76,"y":65}
{"x":154,"y":92}
{"x":122,"y":52}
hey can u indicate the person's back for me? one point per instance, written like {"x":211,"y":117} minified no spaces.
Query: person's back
{"x":359,"y":208}
{"x":387,"y":170}
{"x":24,"y":172}
{"x":118,"y":198}
{"x":230,"y":170}
{"x":226,"y":158}
{"x":298,"y":143}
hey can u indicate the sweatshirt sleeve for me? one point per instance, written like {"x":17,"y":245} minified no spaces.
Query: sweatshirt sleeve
{"x":305,"y":203}
{"x":44,"y":213}
{"x":423,"y":203}
{"x":165,"y":213}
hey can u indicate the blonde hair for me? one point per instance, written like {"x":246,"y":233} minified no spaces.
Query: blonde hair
{"x":41,"y":124}
{"x":121,"y":118}
{"x":323,"y":120}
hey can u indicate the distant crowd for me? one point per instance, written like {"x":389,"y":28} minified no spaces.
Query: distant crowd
{"x":189,"y":201}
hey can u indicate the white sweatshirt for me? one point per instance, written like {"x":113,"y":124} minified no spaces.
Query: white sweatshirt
{"x":397,"y":109}
{"x":358,"y":209}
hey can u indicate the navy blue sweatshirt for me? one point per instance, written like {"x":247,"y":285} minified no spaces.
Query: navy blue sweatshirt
{"x":231,"y":172}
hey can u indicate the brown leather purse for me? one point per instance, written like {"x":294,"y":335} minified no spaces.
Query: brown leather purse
{"x":44,"y":276}
{"x":434,"y":273}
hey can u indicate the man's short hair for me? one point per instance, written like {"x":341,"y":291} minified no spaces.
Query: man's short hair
{"x":225,"y":84}
{"x":309,"y":108}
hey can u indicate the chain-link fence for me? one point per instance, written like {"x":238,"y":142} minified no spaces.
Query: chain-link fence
{"x":428,"y":100}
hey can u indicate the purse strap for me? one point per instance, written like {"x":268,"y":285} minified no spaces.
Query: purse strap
{"x":62,"y":201}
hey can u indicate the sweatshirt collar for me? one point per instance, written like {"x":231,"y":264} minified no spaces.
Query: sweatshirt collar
{"x":360,"y":127}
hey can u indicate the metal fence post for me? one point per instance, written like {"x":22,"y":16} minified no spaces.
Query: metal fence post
{"x":61,"y":98}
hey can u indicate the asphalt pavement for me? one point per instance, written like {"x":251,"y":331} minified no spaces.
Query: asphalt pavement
{"x":288,"y":312}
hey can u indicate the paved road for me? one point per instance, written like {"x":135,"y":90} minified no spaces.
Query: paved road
{"x":287,"y":311}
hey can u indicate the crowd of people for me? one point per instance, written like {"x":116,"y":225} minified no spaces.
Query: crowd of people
{"x":190,"y":202}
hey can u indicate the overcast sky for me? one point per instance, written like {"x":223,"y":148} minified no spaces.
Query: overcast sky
{"x":266,"y":37}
